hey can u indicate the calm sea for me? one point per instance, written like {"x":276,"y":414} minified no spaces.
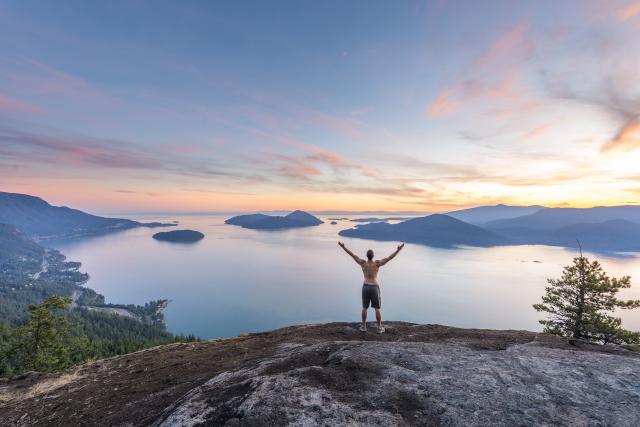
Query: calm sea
{"x":238,"y":280}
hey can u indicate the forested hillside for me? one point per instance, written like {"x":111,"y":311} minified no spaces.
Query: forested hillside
{"x":29,"y":274}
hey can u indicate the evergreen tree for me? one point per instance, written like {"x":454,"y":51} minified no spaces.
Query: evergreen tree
{"x":9,"y":362}
{"x":579,"y":301}
{"x":46,"y":342}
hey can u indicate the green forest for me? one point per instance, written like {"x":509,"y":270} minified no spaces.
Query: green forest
{"x":49,"y":320}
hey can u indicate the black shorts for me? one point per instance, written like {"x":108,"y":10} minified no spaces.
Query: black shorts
{"x":370,"y":295}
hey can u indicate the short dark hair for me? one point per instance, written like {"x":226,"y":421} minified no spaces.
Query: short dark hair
{"x":370,"y":254}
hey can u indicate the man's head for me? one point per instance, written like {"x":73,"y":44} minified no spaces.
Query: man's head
{"x":369,"y":254}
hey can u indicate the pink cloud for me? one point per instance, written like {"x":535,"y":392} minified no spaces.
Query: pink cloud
{"x":218,"y":141}
{"x":15,"y":105}
{"x":536,"y":132}
{"x":629,"y":11}
{"x":627,"y":138}
{"x":37,"y":78}
{"x":359,"y":112}
{"x":307,"y":165}
{"x":457,"y":96}
{"x":513,"y":45}
{"x":500,"y":65}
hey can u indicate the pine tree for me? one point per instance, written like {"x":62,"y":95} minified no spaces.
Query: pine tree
{"x":46,"y":342}
{"x":579,"y":301}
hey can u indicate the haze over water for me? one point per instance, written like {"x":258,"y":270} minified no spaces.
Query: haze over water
{"x":238,"y":280}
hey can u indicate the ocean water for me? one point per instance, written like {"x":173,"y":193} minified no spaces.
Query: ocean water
{"x":237,"y":280}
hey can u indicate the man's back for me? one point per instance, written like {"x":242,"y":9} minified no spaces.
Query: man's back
{"x":370,"y":270}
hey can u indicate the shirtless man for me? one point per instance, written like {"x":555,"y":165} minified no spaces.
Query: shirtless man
{"x":370,"y":287}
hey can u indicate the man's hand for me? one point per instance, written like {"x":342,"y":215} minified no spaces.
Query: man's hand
{"x":341,"y":245}
{"x":400,"y":246}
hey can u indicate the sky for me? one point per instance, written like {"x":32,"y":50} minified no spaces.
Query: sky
{"x":140,"y":106}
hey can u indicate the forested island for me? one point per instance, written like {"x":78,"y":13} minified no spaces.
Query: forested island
{"x":179,"y":236}
{"x":295,"y":219}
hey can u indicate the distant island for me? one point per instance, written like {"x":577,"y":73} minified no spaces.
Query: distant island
{"x":179,"y":236}
{"x":434,"y":230}
{"x":42,"y":221}
{"x":604,"y":228}
{"x":374,"y":219}
{"x":295,"y":219}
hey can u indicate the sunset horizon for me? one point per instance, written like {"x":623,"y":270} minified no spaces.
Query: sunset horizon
{"x":421,"y":108}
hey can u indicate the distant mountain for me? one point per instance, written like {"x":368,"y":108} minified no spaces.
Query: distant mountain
{"x":374,"y":219}
{"x":179,"y":236}
{"x":617,"y":235}
{"x":38,"y":219}
{"x":604,"y":228}
{"x":434,"y":230}
{"x":553,"y":218}
{"x":483,"y":214}
{"x":295,"y":219}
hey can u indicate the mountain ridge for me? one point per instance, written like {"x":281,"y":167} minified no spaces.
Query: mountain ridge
{"x":480,"y":215}
{"x":37,"y":218}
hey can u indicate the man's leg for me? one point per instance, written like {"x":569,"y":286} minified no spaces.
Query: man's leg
{"x":366,"y":300}
{"x":376,"y":304}
{"x":379,"y":317}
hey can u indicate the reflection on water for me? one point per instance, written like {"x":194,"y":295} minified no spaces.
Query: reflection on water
{"x":238,"y":280}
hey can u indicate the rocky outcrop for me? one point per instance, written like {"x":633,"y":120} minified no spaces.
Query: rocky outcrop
{"x":335,"y":375}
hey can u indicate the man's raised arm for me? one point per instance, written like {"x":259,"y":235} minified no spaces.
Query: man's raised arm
{"x":383,"y":261}
{"x":351,"y":254}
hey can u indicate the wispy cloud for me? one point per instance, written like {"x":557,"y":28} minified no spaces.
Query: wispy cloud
{"x":492,"y":74}
{"x":29,"y":75}
{"x":11,"y":105}
{"x":455,"y":97}
{"x":83,"y":151}
{"x":627,"y":138}
{"x":512,"y":46}
{"x":627,"y":12}
{"x":144,"y":193}
{"x":536,"y":132}
{"x":313,"y":163}
{"x":614,"y":94}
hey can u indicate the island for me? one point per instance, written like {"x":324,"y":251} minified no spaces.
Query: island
{"x":436,"y":230}
{"x":179,"y":236}
{"x":333,"y":223}
{"x":259,"y":221}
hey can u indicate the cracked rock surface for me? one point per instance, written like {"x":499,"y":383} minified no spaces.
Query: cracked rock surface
{"x":334,"y":375}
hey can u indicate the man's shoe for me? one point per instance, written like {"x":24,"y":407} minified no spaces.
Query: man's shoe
{"x":381,"y":329}
{"x":363,"y":328}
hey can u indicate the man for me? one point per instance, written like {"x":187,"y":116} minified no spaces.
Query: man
{"x":370,"y":287}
